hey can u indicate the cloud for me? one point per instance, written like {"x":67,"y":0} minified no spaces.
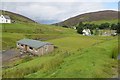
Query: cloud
{"x":59,"y":0}
{"x":52,"y":11}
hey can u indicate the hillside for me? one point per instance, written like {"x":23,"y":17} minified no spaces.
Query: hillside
{"x":17,"y":17}
{"x":91,"y":60}
{"x":106,"y":15}
{"x":74,"y":56}
{"x":27,"y":28}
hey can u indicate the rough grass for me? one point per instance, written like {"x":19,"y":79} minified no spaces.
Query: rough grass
{"x":103,"y":21}
{"x":76,"y":56}
{"x":16,"y":31}
{"x":35,"y":28}
{"x":115,"y":52}
{"x":92,"y":61}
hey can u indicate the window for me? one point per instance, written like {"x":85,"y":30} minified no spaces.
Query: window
{"x":22,"y":45}
{"x":30,"y":48}
{"x":6,"y":20}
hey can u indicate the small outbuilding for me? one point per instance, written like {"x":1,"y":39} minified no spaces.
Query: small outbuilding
{"x":35,"y":47}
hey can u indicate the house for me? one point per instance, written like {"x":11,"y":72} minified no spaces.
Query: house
{"x":5,"y":19}
{"x":34,"y":46}
{"x":86,"y":32}
{"x":109,"y":33}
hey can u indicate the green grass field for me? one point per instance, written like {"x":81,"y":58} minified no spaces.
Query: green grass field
{"x":14,"y":32}
{"x":103,"y":21}
{"x":77,"y":56}
{"x":71,"y":60}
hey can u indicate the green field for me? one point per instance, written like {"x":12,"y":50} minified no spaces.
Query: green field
{"x":103,"y":21}
{"x":14,"y":32}
{"x":76,"y":56}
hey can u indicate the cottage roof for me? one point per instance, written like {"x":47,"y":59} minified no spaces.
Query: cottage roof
{"x":6,"y":16}
{"x":32,"y":43}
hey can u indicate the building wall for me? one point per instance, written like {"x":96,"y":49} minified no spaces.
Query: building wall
{"x":45,"y":49}
{"x":4,"y":20}
{"x":41,"y":51}
{"x":21,"y":47}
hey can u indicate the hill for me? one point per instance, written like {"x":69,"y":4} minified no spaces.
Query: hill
{"x":75,"y":56}
{"x":103,"y":16}
{"x":17,"y":17}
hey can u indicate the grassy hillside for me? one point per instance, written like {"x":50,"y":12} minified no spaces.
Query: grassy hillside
{"x":74,"y":58}
{"x":107,"y":15}
{"x":115,"y":21}
{"x":16,"y":17}
{"x":15,"y":31}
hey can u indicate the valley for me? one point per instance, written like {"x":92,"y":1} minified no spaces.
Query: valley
{"x":75,"y":55}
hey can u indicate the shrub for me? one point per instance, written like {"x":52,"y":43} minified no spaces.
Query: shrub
{"x":115,"y":52}
{"x":104,"y":26}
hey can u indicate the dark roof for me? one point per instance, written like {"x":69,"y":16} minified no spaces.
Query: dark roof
{"x":32,"y":43}
{"x":7,"y":17}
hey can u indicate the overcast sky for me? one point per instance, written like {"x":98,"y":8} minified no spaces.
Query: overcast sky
{"x":52,"y":12}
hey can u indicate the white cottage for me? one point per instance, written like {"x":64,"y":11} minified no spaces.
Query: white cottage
{"x":5,"y":19}
{"x":86,"y":32}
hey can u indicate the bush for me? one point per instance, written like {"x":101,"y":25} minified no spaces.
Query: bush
{"x":80,"y":27}
{"x":104,"y":26}
{"x":115,"y":53}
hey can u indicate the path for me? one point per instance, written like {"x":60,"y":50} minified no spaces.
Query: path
{"x":9,"y":54}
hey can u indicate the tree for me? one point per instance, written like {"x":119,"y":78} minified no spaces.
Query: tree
{"x":91,"y":31}
{"x":118,"y":28}
{"x":113,"y":26}
{"x":104,"y":26}
{"x":65,"y":26}
{"x":80,"y":28}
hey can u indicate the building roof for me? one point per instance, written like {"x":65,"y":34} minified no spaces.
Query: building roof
{"x":32,"y":43}
{"x":6,"y":16}
{"x":86,"y":30}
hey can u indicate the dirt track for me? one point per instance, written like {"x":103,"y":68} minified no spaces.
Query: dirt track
{"x":9,"y":54}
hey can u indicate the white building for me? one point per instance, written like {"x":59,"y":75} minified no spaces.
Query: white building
{"x":5,"y":19}
{"x":86,"y":32}
{"x":74,"y":27}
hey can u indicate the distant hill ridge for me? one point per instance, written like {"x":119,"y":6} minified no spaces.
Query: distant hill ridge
{"x":16,"y":17}
{"x":88,"y":17}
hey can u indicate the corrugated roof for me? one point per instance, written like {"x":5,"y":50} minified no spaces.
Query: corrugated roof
{"x":33,"y":43}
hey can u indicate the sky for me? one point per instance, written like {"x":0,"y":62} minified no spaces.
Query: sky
{"x":49,"y":12}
